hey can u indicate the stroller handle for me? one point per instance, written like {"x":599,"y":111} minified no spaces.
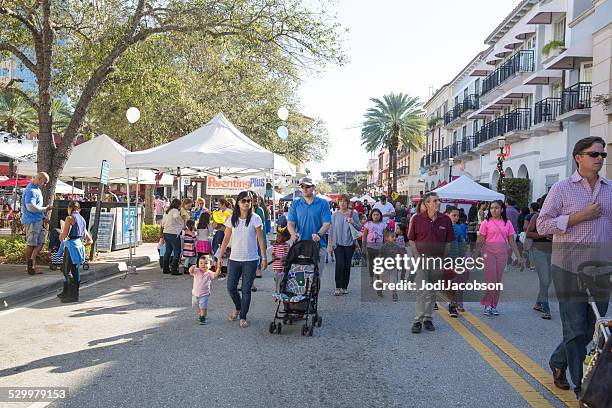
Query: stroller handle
{"x":596,"y":264}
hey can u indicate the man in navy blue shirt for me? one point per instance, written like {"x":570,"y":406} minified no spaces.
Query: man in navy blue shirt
{"x":309,"y":218}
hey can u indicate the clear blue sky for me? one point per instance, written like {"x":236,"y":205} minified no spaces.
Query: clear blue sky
{"x":393,"y":46}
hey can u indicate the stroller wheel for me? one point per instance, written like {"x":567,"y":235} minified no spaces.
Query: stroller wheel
{"x":319,"y":321}
{"x":304,"y":329}
{"x":279,"y":327}
{"x":272,"y":327}
{"x":310,"y":331}
{"x":86,"y":266}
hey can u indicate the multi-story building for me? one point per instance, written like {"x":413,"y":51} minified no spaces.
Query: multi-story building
{"x":529,"y":94}
{"x":409,"y":180}
{"x":344,"y":177}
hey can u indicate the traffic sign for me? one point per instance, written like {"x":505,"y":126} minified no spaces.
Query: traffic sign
{"x":105,"y":172}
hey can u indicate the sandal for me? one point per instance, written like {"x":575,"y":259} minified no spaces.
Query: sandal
{"x":243,"y":324}
{"x":538,"y":308}
{"x":234,"y":315}
{"x":337,"y":292}
{"x":546,"y":316}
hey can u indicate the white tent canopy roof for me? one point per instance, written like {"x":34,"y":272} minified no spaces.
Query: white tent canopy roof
{"x":63,"y":188}
{"x":86,"y":159}
{"x":367,"y":197}
{"x":14,"y":149}
{"x":218,"y":146}
{"x":464,"y":188}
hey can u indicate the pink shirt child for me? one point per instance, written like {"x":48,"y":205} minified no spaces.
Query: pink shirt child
{"x":496,"y":233}
{"x":201,"y":282}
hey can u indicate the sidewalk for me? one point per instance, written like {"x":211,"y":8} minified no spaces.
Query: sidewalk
{"x":16,"y":286}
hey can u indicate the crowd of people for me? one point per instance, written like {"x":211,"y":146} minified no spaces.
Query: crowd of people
{"x":229,"y":241}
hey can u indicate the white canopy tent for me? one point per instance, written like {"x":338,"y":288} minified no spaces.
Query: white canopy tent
{"x":63,"y":188}
{"x":464,"y":188}
{"x":216,"y":147}
{"x":86,"y":159}
{"x":367,"y":197}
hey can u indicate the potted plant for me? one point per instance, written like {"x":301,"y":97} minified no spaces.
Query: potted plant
{"x":553,"y":48}
{"x":605,"y":101}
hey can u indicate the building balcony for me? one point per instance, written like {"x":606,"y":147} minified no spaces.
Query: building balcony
{"x":575,"y":102}
{"x":545,"y":113}
{"x":457,"y":116}
{"x":509,"y":74}
{"x":448,"y":117}
{"x":518,"y":124}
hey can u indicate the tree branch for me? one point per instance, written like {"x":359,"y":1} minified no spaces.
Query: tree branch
{"x":16,"y":16}
{"x":10,"y":88}
{"x":22,"y":57}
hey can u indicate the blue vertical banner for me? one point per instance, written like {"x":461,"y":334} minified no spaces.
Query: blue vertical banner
{"x":129,"y":222}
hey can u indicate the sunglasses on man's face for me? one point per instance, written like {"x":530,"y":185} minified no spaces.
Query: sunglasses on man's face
{"x":305,"y":187}
{"x":594,"y":155}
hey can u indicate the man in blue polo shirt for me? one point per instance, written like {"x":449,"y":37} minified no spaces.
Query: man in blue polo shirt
{"x":309,"y":218}
{"x":32,"y":219}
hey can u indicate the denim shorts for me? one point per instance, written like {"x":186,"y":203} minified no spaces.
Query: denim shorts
{"x":200,"y":301}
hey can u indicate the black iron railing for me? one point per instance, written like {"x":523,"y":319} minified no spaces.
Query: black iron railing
{"x":471,"y":103}
{"x":448,"y":117}
{"x":577,"y":96}
{"x":522,"y":61}
{"x":546,"y":110}
{"x":518,"y":119}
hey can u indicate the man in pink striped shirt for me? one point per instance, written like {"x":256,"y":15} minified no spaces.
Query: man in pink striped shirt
{"x":578,"y":213}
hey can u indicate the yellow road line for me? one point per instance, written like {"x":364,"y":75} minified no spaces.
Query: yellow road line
{"x":531,"y":367}
{"x":525,"y":390}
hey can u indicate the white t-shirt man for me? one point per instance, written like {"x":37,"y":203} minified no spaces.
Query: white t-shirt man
{"x":244,"y":239}
{"x":386,"y":208}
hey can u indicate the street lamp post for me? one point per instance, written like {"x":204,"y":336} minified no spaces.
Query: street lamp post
{"x":500,"y":162}
{"x":450,"y":172}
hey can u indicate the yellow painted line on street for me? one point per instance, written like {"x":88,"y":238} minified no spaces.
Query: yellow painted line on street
{"x":542,"y":376}
{"x":525,"y":390}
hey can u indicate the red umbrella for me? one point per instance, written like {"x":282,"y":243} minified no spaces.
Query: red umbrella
{"x":11,"y":183}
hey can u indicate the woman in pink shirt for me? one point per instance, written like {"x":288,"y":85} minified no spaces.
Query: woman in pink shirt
{"x":494,"y":236}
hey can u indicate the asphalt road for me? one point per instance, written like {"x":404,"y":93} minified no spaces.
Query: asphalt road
{"x":135,"y":342}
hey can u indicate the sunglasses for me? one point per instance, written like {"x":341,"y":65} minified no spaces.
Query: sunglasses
{"x":246,"y":201}
{"x":306,"y":187}
{"x":594,"y":155}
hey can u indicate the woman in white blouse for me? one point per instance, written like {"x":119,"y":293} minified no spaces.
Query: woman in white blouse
{"x":244,"y":232}
{"x":171,"y":227}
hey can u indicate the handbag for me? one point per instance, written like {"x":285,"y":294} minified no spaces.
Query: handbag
{"x":355,"y":233}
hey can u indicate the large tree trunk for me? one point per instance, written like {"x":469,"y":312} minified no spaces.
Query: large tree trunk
{"x":148,"y":217}
{"x":393,"y":163}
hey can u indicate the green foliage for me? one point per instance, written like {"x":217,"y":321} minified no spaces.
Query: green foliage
{"x":433,"y":122}
{"x":395,"y":117}
{"x":150,"y":233}
{"x":517,"y":188}
{"x":552,"y":45}
{"x":15,"y":113}
{"x":12,"y":250}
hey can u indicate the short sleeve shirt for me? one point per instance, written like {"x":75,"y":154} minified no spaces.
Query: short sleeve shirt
{"x":430,"y":235}
{"x":309,"y":218}
{"x":496,"y":233}
{"x":385,"y":209}
{"x":244,"y":239}
{"x":31,"y":195}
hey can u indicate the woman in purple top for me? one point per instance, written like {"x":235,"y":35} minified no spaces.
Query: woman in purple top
{"x":372,"y":239}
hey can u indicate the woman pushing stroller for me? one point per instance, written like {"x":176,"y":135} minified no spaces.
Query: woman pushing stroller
{"x":73,"y":251}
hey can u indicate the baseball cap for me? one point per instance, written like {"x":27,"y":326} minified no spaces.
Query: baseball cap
{"x":307,"y":181}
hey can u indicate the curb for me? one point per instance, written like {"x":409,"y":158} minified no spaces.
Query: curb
{"x":96,"y":272}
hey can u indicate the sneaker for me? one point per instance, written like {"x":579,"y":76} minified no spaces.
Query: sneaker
{"x":202,"y":320}
{"x":436,"y":306}
{"x":429,"y":325}
{"x":460,"y":308}
{"x":487,"y":311}
{"x":452,"y":311}
{"x":494,"y":312}
{"x":416,"y":327}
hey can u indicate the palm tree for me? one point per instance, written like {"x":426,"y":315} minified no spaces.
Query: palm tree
{"x":15,"y":114}
{"x":61,"y":112}
{"x":396,"y":120}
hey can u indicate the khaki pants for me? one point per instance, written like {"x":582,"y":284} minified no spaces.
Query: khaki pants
{"x":425,"y":299}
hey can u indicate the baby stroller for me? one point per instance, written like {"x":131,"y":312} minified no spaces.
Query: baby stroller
{"x":299,"y":289}
{"x":54,"y":244}
{"x":357,"y":256}
{"x":595,"y":381}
